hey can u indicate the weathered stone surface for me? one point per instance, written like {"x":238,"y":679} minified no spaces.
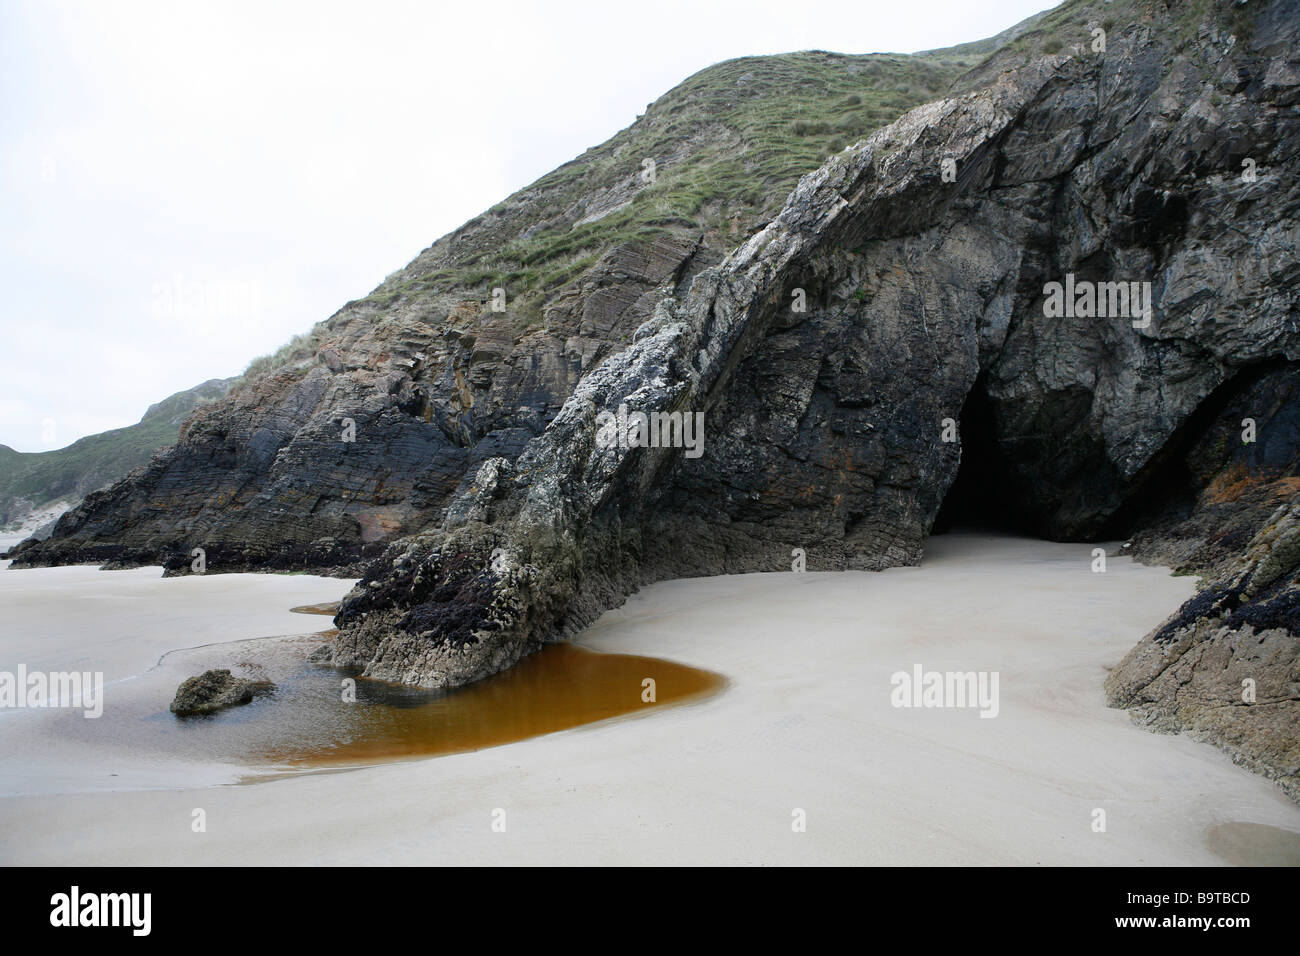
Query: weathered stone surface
{"x":214,"y":690}
{"x":433,"y":379}
{"x":825,"y":425}
{"x":1226,"y":667}
{"x":30,"y":482}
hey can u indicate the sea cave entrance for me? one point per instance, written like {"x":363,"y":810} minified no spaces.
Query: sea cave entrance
{"x":982,"y":497}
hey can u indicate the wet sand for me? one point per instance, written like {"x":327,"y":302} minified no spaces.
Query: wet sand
{"x":558,"y":688}
{"x":329,"y":609}
{"x":805,"y":724}
{"x":1254,"y":844}
{"x":315,"y":716}
{"x":146,"y":634}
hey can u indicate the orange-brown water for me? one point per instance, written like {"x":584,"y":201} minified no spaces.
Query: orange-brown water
{"x":318,"y":716}
{"x":560,"y":687}
{"x":322,"y":717}
{"x":331,"y":609}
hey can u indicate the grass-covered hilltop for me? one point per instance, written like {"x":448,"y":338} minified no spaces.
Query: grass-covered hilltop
{"x":728,"y":144}
{"x":33,"y":481}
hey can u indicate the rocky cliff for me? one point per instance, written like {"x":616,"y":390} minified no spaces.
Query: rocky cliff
{"x":434,"y":372}
{"x":1226,"y":667}
{"x":31,"y":481}
{"x":1053,"y":297}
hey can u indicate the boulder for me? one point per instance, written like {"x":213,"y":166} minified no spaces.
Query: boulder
{"x":214,"y":690}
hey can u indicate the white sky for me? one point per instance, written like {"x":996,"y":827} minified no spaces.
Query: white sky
{"x":281,"y":158}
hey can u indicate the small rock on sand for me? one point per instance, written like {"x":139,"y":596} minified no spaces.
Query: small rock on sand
{"x":213,"y":690}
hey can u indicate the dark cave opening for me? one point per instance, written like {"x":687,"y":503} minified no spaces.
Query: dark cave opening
{"x":1168,"y":486}
{"x":981,"y":496}
{"x":1062,"y":477}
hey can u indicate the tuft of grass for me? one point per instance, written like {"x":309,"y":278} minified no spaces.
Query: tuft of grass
{"x":729,"y":144}
{"x":297,"y":349}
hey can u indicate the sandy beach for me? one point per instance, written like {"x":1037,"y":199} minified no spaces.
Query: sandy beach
{"x":806,"y":723}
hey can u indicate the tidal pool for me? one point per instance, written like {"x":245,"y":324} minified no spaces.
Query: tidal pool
{"x":323,"y":717}
{"x":560,"y":687}
{"x":320,"y":716}
{"x":356,"y":721}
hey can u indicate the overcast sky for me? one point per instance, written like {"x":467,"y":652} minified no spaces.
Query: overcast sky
{"x":185,"y":185}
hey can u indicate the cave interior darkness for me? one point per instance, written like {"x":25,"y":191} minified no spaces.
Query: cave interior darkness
{"x":989,"y":495}
{"x":980,"y":498}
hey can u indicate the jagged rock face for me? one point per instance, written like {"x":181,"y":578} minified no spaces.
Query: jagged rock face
{"x":268,"y":480}
{"x":828,"y":434}
{"x":432,"y":381}
{"x":1113,"y":169}
{"x":1226,"y":667}
{"x":1219,"y":488}
{"x":826,"y":426}
{"x":30,"y":482}
{"x":1083,"y":407}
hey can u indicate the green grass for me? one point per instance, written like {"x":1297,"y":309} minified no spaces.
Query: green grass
{"x":297,"y":349}
{"x":729,"y":142}
{"x":42,"y":478}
